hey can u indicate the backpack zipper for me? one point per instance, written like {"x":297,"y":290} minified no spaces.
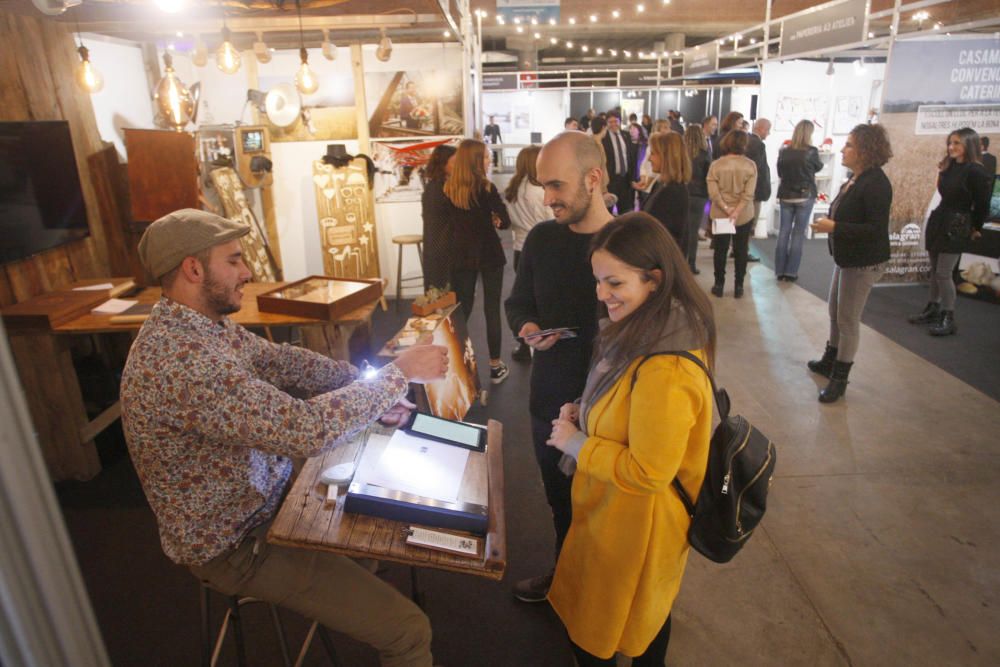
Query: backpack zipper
{"x":739,"y":499}
{"x":729,"y":466}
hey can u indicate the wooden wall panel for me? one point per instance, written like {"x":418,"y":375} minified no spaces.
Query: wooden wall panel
{"x":36,"y":83}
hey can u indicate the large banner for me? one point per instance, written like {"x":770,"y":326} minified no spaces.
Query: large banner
{"x":932,"y":88}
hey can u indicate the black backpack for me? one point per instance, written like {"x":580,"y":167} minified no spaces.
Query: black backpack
{"x":733,"y":497}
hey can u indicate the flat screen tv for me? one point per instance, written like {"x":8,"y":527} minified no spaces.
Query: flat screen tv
{"x":41,"y":203}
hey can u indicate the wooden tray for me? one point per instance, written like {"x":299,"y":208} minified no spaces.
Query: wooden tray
{"x":320,"y":297}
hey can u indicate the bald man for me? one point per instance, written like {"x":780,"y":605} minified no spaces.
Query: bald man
{"x":555,"y":288}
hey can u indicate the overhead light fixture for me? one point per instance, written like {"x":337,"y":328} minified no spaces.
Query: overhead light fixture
{"x":171,"y":6}
{"x":260,"y":50}
{"x":534,"y":20}
{"x":87,"y":78}
{"x":172,"y":98}
{"x":640,"y":8}
{"x":615,"y":13}
{"x":305,"y":80}
{"x":329,"y":48}
{"x":384,"y":50}
{"x":552,"y":21}
{"x":585,"y":48}
{"x":572,"y":20}
{"x":569,"y":45}
{"x":829,"y":68}
{"x":553,"y":40}
{"x":447,"y":34}
{"x":199,"y":57}
{"x":859,"y":67}
{"x":593,"y":18}
{"x":600,"y":51}
{"x":537,"y":35}
{"x":227,"y":58}
{"x":520,"y":29}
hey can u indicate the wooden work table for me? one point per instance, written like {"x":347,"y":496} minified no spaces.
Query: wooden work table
{"x":307,"y":521}
{"x":41,"y":333}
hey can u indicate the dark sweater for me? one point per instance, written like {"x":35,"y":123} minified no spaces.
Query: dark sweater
{"x":861,"y":235}
{"x":555,"y":287}
{"x":668,"y":203}
{"x":437,"y":235}
{"x":698,"y":187}
{"x":474,"y":240}
{"x":757,"y":151}
{"x":964,"y":188}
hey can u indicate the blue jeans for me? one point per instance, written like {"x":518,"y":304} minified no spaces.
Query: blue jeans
{"x":795,"y":217}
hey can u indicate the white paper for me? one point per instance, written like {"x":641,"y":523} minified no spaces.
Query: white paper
{"x":114,"y":306}
{"x":422,"y":467}
{"x":93,"y":288}
{"x":723,"y":226}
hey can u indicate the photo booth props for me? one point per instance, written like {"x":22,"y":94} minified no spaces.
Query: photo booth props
{"x":235,"y":206}
{"x":346,"y":219}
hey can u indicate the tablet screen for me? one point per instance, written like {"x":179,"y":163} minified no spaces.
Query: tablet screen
{"x":447,"y":430}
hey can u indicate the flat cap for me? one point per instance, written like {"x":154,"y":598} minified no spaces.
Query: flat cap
{"x":183,"y":233}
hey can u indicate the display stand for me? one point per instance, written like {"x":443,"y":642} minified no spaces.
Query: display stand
{"x":451,"y":397}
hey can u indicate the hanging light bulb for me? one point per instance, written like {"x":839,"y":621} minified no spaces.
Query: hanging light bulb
{"x":87,"y":78}
{"x":384,"y":50}
{"x":260,"y":50}
{"x":305,"y":79}
{"x":329,"y":48}
{"x":227,"y":58}
{"x":199,"y":57}
{"x":829,"y":68}
{"x":172,"y":98}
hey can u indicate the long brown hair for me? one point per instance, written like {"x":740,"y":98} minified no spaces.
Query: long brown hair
{"x":802,"y":135}
{"x":675,"y":165}
{"x":468,"y":174}
{"x":437,"y":163}
{"x":525,"y":169}
{"x":973,"y":147}
{"x":639,"y":240}
{"x":729,"y":122}
{"x":694,"y":140}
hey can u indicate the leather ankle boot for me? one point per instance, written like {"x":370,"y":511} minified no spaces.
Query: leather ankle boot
{"x":929,"y":315}
{"x":946,"y":326}
{"x":824,"y":366}
{"x":838,"y":382}
{"x":717,"y":289}
{"x":738,"y":291}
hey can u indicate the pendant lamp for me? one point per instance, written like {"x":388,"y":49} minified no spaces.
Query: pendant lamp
{"x":305,"y":79}
{"x":172,"y":98}
{"x":86,"y":76}
{"x":227,"y":58}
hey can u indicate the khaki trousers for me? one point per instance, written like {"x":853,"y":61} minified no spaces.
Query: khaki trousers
{"x":329,"y":588}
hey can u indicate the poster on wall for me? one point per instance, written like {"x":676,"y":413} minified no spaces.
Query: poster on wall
{"x":408,"y":103}
{"x":399,"y":167}
{"x":791,"y":110}
{"x":346,"y":219}
{"x":847,"y":113}
{"x":328,"y":114}
{"x":932,"y":88}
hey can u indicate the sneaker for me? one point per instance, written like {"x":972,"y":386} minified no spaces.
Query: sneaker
{"x":521,"y":353}
{"x":499,"y":373}
{"x":534,"y":589}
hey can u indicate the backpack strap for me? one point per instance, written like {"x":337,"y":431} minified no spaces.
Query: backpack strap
{"x":721,"y":402}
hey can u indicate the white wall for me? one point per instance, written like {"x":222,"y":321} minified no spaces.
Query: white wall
{"x":126,"y":100}
{"x":803,"y":79}
{"x":546,"y":110}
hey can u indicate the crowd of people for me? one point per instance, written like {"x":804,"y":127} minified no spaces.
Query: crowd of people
{"x":605,"y":219}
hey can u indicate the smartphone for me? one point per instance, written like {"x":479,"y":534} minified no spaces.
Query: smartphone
{"x":564,"y":332}
{"x":446,"y":430}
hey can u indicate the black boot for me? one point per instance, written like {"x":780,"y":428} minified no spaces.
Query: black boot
{"x":824,"y":366}
{"x":717,"y":289}
{"x":930,"y":314}
{"x":838,"y":382}
{"x":738,"y":291}
{"x":946,"y":326}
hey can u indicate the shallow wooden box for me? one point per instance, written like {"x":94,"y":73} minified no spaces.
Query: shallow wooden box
{"x":320,"y":297}
{"x":445,"y":300}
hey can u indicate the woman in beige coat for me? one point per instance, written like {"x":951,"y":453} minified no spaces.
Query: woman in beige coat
{"x":731,"y":181}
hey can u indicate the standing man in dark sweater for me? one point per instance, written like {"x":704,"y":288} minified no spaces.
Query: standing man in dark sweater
{"x":555,"y":288}
{"x":491,"y":135}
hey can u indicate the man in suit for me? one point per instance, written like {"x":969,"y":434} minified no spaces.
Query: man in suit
{"x":492,"y":136}
{"x":757,"y":151}
{"x":989,"y":160}
{"x":621,"y":154}
{"x":708,"y":127}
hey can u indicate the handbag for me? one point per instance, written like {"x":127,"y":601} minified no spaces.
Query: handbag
{"x":958,"y":226}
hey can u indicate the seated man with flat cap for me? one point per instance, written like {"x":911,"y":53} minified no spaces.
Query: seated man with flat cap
{"x":211,"y":427}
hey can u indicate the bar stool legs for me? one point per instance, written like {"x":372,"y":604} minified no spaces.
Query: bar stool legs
{"x":210,"y":653}
{"x":400,"y":241}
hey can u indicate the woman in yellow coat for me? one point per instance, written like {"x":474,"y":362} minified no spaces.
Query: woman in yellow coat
{"x":621,"y":565}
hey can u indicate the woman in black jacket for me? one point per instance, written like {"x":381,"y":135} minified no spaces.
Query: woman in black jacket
{"x":965,"y":188}
{"x":859,"y":241}
{"x":475,"y":210}
{"x":694,"y":144}
{"x":798,"y":165}
{"x":437,"y":229}
{"x":668,"y":200}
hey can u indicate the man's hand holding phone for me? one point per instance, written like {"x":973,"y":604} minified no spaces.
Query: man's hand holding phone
{"x":535,"y":341}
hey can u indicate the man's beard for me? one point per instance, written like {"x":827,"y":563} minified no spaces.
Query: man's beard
{"x":218,"y":296}
{"x":577,"y":209}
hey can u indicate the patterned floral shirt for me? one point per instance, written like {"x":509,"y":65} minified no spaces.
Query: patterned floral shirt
{"x":210,"y":423}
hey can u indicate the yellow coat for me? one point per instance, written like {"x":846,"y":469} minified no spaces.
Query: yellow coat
{"x":621,"y":564}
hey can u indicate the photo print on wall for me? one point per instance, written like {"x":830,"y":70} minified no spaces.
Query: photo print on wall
{"x":414,"y":103}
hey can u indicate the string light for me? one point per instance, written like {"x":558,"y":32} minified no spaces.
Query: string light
{"x":640,"y":8}
{"x":593,"y":18}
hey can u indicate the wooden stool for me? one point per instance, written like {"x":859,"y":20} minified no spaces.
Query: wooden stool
{"x":210,"y":653}
{"x":401,"y":241}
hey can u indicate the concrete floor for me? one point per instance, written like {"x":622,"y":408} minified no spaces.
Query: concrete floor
{"x":881,"y":544}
